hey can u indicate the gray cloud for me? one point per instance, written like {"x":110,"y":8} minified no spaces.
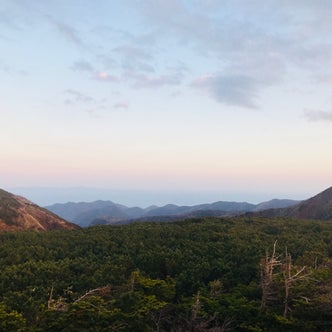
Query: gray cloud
{"x":317,"y":115}
{"x":253,"y":45}
{"x":256,"y":45}
{"x":237,"y":90}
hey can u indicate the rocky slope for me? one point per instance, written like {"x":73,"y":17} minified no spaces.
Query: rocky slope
{"x":17,"y":213}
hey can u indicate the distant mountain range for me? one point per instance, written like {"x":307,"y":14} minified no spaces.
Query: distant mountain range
{"x":108,"y":212}
{"x":17,"y":213}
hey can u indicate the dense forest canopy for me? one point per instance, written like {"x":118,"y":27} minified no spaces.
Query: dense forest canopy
{"x":205,"y":274}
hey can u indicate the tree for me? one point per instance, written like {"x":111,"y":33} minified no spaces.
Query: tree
{"x":11,"y":321}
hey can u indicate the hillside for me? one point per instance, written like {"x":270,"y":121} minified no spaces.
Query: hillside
{"x":17,"y":213}
{"x":318,"y":207}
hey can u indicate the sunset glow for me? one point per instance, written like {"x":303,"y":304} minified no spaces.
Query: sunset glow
{"x":219,"y":97}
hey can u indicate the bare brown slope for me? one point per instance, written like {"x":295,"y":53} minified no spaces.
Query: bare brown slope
{"x":18,"y":213}
{"x":318,"y":207}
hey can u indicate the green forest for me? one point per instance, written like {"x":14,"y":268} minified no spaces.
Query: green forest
{"x":208,"y":274}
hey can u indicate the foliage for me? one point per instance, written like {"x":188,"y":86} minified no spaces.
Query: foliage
{"x":193,"y":275}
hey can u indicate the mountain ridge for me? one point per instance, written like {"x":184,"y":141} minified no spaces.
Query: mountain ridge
{"x":86,"y":213}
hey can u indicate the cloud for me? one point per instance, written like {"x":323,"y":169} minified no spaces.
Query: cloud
{"x":121,"y":105}
{"x":83,"y":101}
{"x":74,"y":97}
{"x":67,"y":31}
{"x":234,"y":90}
{"x":107,"y":60}
{"x":134,"y":58}
{"x":130,"y":51}
{"x":7,"y":21}
{"x":254,"y":45}
{"x":317,"y":115}
{"x":154,"y":81}
{"x":250,"y":56}
{"x":173,"y":76}
{"x":83,"y":66}
{"x":6,"y":69}
{"x":103,"y":76}
{"x":87,"y":67}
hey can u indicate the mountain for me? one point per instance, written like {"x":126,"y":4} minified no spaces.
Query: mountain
{"x":107,"y":212}
{"x":171,"y":209}
{"x":318,"y":207}
{"x":17,"y":213}
{"x":83,"y":213}
{"x":275,"y":204}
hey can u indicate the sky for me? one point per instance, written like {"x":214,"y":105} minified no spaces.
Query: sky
{"x":156,"y":101}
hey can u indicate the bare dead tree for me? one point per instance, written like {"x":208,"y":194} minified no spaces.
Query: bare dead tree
{"x":290,"y":279}
{"x":59,"y":304}
{"x":101,"y":291}
{"x":267,"y":267}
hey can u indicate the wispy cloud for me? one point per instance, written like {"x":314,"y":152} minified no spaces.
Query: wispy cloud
{"x":107,"y":61}
{"x":8,"y":21}
{"x":74,"y":97}
{"x":98,"y":75}
{"x":317,"y":115}
{"x":83,"y":66}
{"x":134,"y":58}
{"x":154,"y":81}
{"x":121,"y":105}
{"x":67,"y":31}
{"x":6,"y":69}
{"x":84,"y":101}
{"x":132,"y":51}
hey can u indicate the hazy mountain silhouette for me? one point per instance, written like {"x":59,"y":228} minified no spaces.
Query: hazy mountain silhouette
{"x":101,"y":212}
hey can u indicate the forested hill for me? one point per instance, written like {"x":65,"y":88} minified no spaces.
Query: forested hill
{"x":209,"y":274}
{"x":17,"y":213}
